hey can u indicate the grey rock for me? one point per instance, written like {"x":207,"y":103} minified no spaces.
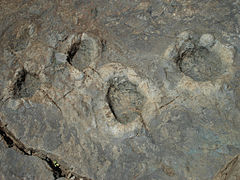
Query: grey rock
{"x":124,"y":100}
{"x":121,"y":89}
{"x":25,"y":84}
{"x":201,"y":65}
{"x":206,"y":40}
{"x":60,"y":58}
{"x":51,"y":140}
{"x":14,"y":165}
{"x":230,"y":170}
{"x":20,"y":39}
{"x":88,"y":51}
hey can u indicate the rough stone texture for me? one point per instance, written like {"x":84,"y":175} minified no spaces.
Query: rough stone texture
{"x":230,"y":171}
{"x":14,"y":165}
{"x":124,"y":100}
{"x":122,"y":89}
{"x":85,"y":53}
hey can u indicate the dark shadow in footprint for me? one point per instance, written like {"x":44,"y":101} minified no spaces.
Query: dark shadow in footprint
{"x":26,"y":85}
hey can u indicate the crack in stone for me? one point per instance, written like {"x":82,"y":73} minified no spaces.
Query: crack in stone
{"x":46,"y":94}
{"x":164,"y":105}
{"x":94,"y":70}
{"x":104,"y":45}
{"x":6,"y":139}
{"x":230,"y":165}
{"x":66,"y":94}
{"x":72,"y":51}
{"x":147,"y":131}
{"x":58,"y":170}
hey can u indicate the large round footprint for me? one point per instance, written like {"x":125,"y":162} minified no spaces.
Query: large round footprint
{"x":124,"y":100}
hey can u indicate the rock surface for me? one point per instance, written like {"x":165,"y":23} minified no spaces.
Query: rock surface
{"x":230,"y":171}
{"x":120,"y":89}
{"x":14,"y":165}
